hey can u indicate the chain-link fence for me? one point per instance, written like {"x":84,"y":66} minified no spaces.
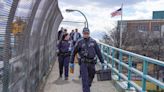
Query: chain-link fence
{"x":28,"y":38}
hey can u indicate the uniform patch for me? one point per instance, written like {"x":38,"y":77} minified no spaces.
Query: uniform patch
{"x":83,"y":45}
{"x":91,"y":44}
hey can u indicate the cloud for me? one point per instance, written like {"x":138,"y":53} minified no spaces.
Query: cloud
{"x":24,"y":7}
{"x":114,"y":3}
{"x":100,"y":3}
{"x":98,"y":18}
{"x":143,"y":10}
{"x":98,"y":11}
{"x":97,"y":34}
{"x":25,"y":4}
{"x":1,"y":5}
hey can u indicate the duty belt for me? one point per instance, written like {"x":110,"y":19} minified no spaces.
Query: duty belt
{"x":65,"y":54}
{"x":88,"y":60}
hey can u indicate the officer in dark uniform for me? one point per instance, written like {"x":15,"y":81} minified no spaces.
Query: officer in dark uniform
{"x":87,"y":48}
{"x":71,"y":35}
{"x":64,"y":48}
{"x":60,"y":33}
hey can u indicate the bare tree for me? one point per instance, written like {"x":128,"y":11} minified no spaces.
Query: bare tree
{"x":145,"y":43}
{"x":113,"y":37}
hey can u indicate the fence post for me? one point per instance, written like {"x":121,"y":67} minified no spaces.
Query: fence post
{"x":129,"y":71}
{"x":100,"y":46}
{"x":103,"y":48}
{"x":145,"y":64}
{"x":120,"y":66}
{"x":108,"y":53}
{"x":113,"y":53}
{"x":7,"y":46}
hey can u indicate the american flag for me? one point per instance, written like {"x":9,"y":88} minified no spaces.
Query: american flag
{"x":116,"y":13}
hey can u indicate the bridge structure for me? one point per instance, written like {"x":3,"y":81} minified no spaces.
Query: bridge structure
{"x":28,"y":60}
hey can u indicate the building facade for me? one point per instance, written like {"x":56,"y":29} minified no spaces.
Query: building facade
{"x":154,"y":26}
{"x":158,"y":14}
{"x":156,"y":29}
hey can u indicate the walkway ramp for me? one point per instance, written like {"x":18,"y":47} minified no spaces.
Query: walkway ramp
{"x":54,"y":84}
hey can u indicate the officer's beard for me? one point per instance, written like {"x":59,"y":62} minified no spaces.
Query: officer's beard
{"x":86,"y":38}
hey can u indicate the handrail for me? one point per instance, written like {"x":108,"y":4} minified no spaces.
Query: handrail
{"x":110,"y":56}
{"x":150,"y":60}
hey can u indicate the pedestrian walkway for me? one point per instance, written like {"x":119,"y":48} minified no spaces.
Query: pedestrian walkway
{"x":54,"y":84}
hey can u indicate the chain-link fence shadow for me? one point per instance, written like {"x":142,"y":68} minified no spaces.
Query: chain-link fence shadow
{"x":28,"y":38}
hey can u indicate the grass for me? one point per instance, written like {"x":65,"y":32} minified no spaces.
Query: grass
{"x":149,"y":86}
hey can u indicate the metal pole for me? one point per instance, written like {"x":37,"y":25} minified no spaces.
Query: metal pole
{"x":86,"y":21}
{"x":73,"y":22}
{"x":159,"y":53}
{"x":7,"y":46}
{"x":87,"y":26}
{"x":121,"y":26}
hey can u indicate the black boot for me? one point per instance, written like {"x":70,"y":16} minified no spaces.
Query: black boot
{"x":66,"y":78}
{"x":60,"y":76}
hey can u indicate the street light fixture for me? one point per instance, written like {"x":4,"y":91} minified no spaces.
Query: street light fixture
{"x":69,"y":10}
{"x":86,"y":21}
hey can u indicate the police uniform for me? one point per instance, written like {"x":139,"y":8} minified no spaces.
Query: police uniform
{"x":71,"y":35}
{"x":60,"y":34}
{"x":76,"y":37}
{"x":64,"y":57}
{"x":88,"y":49}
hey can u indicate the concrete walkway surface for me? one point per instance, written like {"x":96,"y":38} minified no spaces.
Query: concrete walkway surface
{"x":55,"y":84}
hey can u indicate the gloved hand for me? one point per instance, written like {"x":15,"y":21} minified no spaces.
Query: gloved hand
{"x":71,"y":65}
{"x":57,"y":51}
{"x":58,"y":54}
{"x":71,"y":68}
{"x":104,"y":66}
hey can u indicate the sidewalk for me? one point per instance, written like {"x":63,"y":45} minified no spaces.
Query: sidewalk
{"x":54,"y":84}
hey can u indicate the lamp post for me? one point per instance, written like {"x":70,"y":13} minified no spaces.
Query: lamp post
{"x":86,"y":21}
{"x":74,"y":22}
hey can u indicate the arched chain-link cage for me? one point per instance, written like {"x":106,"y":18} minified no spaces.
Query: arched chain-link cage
{"x":28,"y":38}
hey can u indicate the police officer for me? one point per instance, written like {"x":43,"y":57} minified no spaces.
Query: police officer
{"x":87,"y":48}
{"x":64,"y":48}
{"x":71,"y":35}
{"x":76,"y":36}
{"x":60,"y":33}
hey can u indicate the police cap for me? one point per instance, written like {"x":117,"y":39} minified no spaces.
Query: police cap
{"x":85,"y":30}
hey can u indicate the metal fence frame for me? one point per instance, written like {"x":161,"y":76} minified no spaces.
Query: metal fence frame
{"x":37,"y":48}
{"x":7,"y":53}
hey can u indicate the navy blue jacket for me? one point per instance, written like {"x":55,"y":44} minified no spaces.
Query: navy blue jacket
{"x":64,"y":46}
{"x":59,"y":34}
{"x":89,"y":47}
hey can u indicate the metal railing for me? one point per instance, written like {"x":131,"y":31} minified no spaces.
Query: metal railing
{"x":114,"y":58}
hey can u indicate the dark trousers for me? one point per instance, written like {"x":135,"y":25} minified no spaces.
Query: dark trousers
{"x":74,"y":42}
{"x":79,"y":62}
{"x":64,"y":63}
{"x":87,"y":73}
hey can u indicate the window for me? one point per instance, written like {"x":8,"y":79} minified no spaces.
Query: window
{"x":156,"y":28}
{"x":142,"y":27}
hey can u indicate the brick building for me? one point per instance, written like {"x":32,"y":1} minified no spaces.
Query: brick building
{"x":155,"y":26}
{"x":156,"y":29}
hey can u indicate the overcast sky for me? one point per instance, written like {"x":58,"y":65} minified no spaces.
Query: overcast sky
{"x":98,"y":12}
